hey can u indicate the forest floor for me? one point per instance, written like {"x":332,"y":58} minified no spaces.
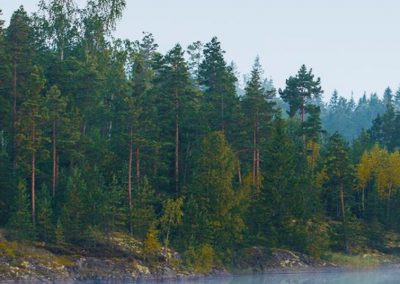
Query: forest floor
{"x":121,"y":258}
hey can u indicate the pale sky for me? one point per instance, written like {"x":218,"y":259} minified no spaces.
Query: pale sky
{"x":353,"y":45}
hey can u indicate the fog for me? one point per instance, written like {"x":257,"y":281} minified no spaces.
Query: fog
{"x":385,"y":276}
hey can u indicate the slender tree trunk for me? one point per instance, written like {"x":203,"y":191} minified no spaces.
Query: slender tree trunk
{"x":222,"y":113}
{"x":257,"y":156}
{"x":302,"y":122}
{"x":167,"y":238}
{"x":54,"y":158}
{"x":258,"y":170}
{"x":239,"y":174}
{"x":186,"y":165}
{"x":363,"y":200}
{"x":33,"y":177}
{"x":176,"y":143}
{"x":14,"y":114}
{"x":344,"y":219}
{"x":130,"y":181}
{"x":138,"y":165}
{"x":254,"y":154}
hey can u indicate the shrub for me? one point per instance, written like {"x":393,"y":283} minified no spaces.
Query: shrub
{"x":151,"y":245}
{"x":200,"y":259}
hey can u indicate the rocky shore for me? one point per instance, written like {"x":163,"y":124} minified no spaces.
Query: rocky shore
{"x":121,"y":259}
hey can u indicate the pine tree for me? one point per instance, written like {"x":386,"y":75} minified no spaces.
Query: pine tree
{"x":19,"y":36}
{"x":32,"y":117}
{"x":57,"y":108}
{"x":177,"y":98}
{"x":299,"y":90}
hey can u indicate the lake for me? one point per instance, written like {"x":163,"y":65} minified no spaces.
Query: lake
{"x":385,"y":276}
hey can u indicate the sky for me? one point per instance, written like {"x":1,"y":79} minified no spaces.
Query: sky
{"x":353,"y":46}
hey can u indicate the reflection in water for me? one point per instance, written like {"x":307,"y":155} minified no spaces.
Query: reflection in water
{"x":362,"y":277}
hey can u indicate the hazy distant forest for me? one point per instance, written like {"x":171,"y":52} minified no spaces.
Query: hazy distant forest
{"x":99,"y":135}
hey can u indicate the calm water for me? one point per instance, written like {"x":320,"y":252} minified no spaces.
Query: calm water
{"x":391,"y":276}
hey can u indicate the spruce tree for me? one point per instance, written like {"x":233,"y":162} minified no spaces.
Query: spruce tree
{"x":211,"y":213}
{"x":45,"y":227}
{"x":220,"y":102}
{"x":339,"y":172}
{"x":257,"y":108}
{"x":20,"y":226}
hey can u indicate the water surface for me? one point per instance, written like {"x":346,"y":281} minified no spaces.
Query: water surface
{"x":386,"y":276}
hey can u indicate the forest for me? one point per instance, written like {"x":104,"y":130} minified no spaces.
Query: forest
{"x":101,"y":135}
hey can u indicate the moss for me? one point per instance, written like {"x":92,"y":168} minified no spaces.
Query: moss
{"x":8,"y":249}
{"x":64,"y":261}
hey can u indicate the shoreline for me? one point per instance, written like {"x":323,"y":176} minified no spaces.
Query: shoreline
{"x":39,"y":265}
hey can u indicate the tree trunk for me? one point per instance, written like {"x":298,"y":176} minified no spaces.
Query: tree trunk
{"x":54,"y":158}
{"x":33,"y":177}
{"x":176,"y":143}
{"x":257,"y":157}
{"x":130,"y":181}
{"x":186,"y":164}
{"x":14,"y":114}
{"x":222,"y":113}
{"x":239,"y":174}
{"x":138,"y":165}
{"x":346,"y":248}
{"x":363,"y":200}
{"x":258,"y":170}
{"x":254,"y":155}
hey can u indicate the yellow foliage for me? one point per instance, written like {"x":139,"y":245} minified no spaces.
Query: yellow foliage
{"x":312,"y":153}
{"x":151,"y":244}
{"x":8,"y":248}
{"x":383,"y":166}
{"x":364,"y":170}
{"x":321,"y":177}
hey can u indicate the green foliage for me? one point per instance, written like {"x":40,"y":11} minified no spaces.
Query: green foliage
{"x":74,"y":213}
{"x":172,"y":217}
{"x":20,"y":226}
{"x":45,"y":227}
{"x":143,"y":213}
{"x":200,"y":259}
{"x":127,"y":138}
{"x":299,"y":90}
{"x":59,"y":234}
{"x":211,"y":211}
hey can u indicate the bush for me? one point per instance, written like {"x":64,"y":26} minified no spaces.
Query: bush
{"x":310,"y":237}
{"x":200,"y":259}
{"x":151,"y":245}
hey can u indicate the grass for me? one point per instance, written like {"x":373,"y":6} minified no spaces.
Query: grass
{"x":8,"y":248}
{"x":356,"y":261}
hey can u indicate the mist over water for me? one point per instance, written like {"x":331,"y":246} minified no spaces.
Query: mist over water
{"x":386,"y":276}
